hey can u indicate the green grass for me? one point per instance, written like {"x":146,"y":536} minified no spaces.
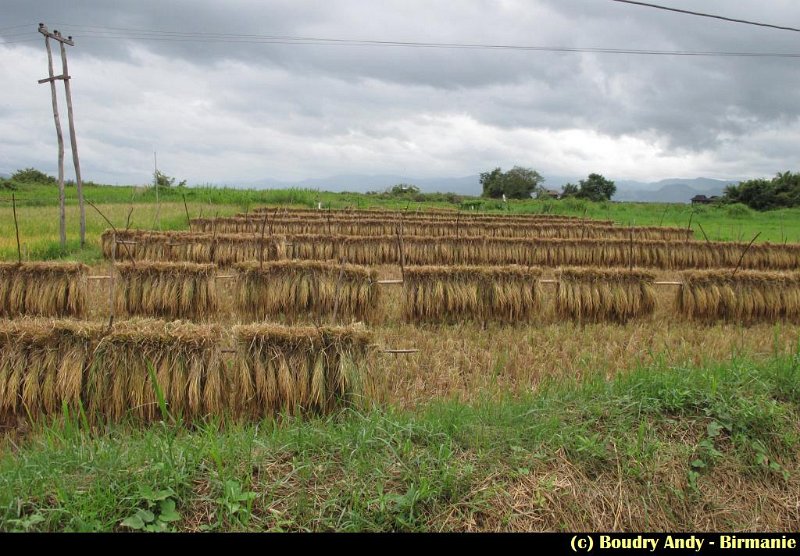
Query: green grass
{"x":663,"y":442}
{"x":38,"y":214}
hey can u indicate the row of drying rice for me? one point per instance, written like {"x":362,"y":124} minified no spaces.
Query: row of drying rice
{"x":438,"y":228}
{"x":146,"y":370}
{"x":226,"y":249}
{"x":325,"y":291}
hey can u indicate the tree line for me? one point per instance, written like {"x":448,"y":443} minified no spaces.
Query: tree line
{"x":781,"y":191}
{"x":524,"y":183}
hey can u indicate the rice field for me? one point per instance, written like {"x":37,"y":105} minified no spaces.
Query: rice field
{"x":220,"y":283}
{"x":288,"y":316}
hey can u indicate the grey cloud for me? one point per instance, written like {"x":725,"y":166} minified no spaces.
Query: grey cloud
{"x":279,"y":96}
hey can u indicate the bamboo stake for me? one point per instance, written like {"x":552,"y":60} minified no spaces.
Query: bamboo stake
{"x":660,"y":222}
{"x":91,"y":204}
{"x":186,"y":208}
{"x":274,"y":216}
{"x":704,"y":232}
{"x":338,"y":289}
{"x":261,"y":245}
{"x":746,"y":249}
{"x":16,"y":227}
{"x":112,"y":286}
{"x":631,"y":250}
{"x":402,"y":254}
{"x":128,"y":219}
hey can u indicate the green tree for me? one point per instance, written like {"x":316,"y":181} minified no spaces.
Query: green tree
{"x":569,"y":190}
{"x":762,"y":194}
{"x":517,"y":183}
{"x":164,"y":180}
{"x":32,"y":175}
{"x":403,"y":190}
{"x":596,"y":188}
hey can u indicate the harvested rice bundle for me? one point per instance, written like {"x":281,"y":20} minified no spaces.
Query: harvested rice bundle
{"x":420,"y":214}
{"x":307,"y":289}
{"x":183,"y":358}
{"x":222,"y":249}
{"x":454,"y":294}
{"x":167,"y":290}
{"x":43,"y":289}
{"x":238,"y":248}
{"x":748,"y":296}
{"x":598,"y":295}
{"x":412,"y":226}
{"x":43,"y":365}
{"x":298,"y":369}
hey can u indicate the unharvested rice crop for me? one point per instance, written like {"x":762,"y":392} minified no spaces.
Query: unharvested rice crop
{"x":604,"y":295}
{"x":182,"y":358}
{"x":298,"y":369}
{"x":307,"y":289}
{"x":43,"y":365}
{"x":167,"y":290}
{"x":745,"y":296}
{"x":43,"y":289}
{"x":459,"y":293}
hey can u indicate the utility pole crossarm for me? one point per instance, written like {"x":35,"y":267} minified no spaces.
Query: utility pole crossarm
{"x":55,"y":35}
{"x":54,"y":78}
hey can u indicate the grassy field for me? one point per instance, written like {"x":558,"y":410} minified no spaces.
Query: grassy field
{"x":37,"y":213}
{"x":656,"y":424}
{"x":660,"y":448}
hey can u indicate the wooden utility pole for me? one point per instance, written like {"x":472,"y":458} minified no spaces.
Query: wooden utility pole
{"x":62,"y":218}
{"x":55,"y":35}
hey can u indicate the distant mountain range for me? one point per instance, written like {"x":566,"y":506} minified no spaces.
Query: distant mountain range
{"x":671,"y":190}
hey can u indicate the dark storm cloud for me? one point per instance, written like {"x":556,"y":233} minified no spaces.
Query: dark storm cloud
{"x":356,"y":96}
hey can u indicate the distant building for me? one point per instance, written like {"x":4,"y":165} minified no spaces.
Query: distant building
{"x":703,"y":200}
{"x":551,"y":194}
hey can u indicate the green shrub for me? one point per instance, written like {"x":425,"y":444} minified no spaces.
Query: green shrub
{"x":32,"y":175}
{"x":738,"y":211}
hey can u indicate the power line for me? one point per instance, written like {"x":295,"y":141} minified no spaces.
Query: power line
{"x":116,"y":33}
{"x":18,"y":41}
{"x":15,"y":26}
{"x":700,"y":14}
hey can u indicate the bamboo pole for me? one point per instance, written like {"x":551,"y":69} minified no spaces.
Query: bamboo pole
{"x":16,"y":227}
{"x":186,"y":208}
{"x":704,"y":232}
{"x":338,"y":289}
{"x":261,"y":245}
{"x":112,"y":286}
{"x":746,"y":249}
{"x":124,"y":244}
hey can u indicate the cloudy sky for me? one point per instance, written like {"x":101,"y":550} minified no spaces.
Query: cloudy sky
{"x":200,"y":82}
